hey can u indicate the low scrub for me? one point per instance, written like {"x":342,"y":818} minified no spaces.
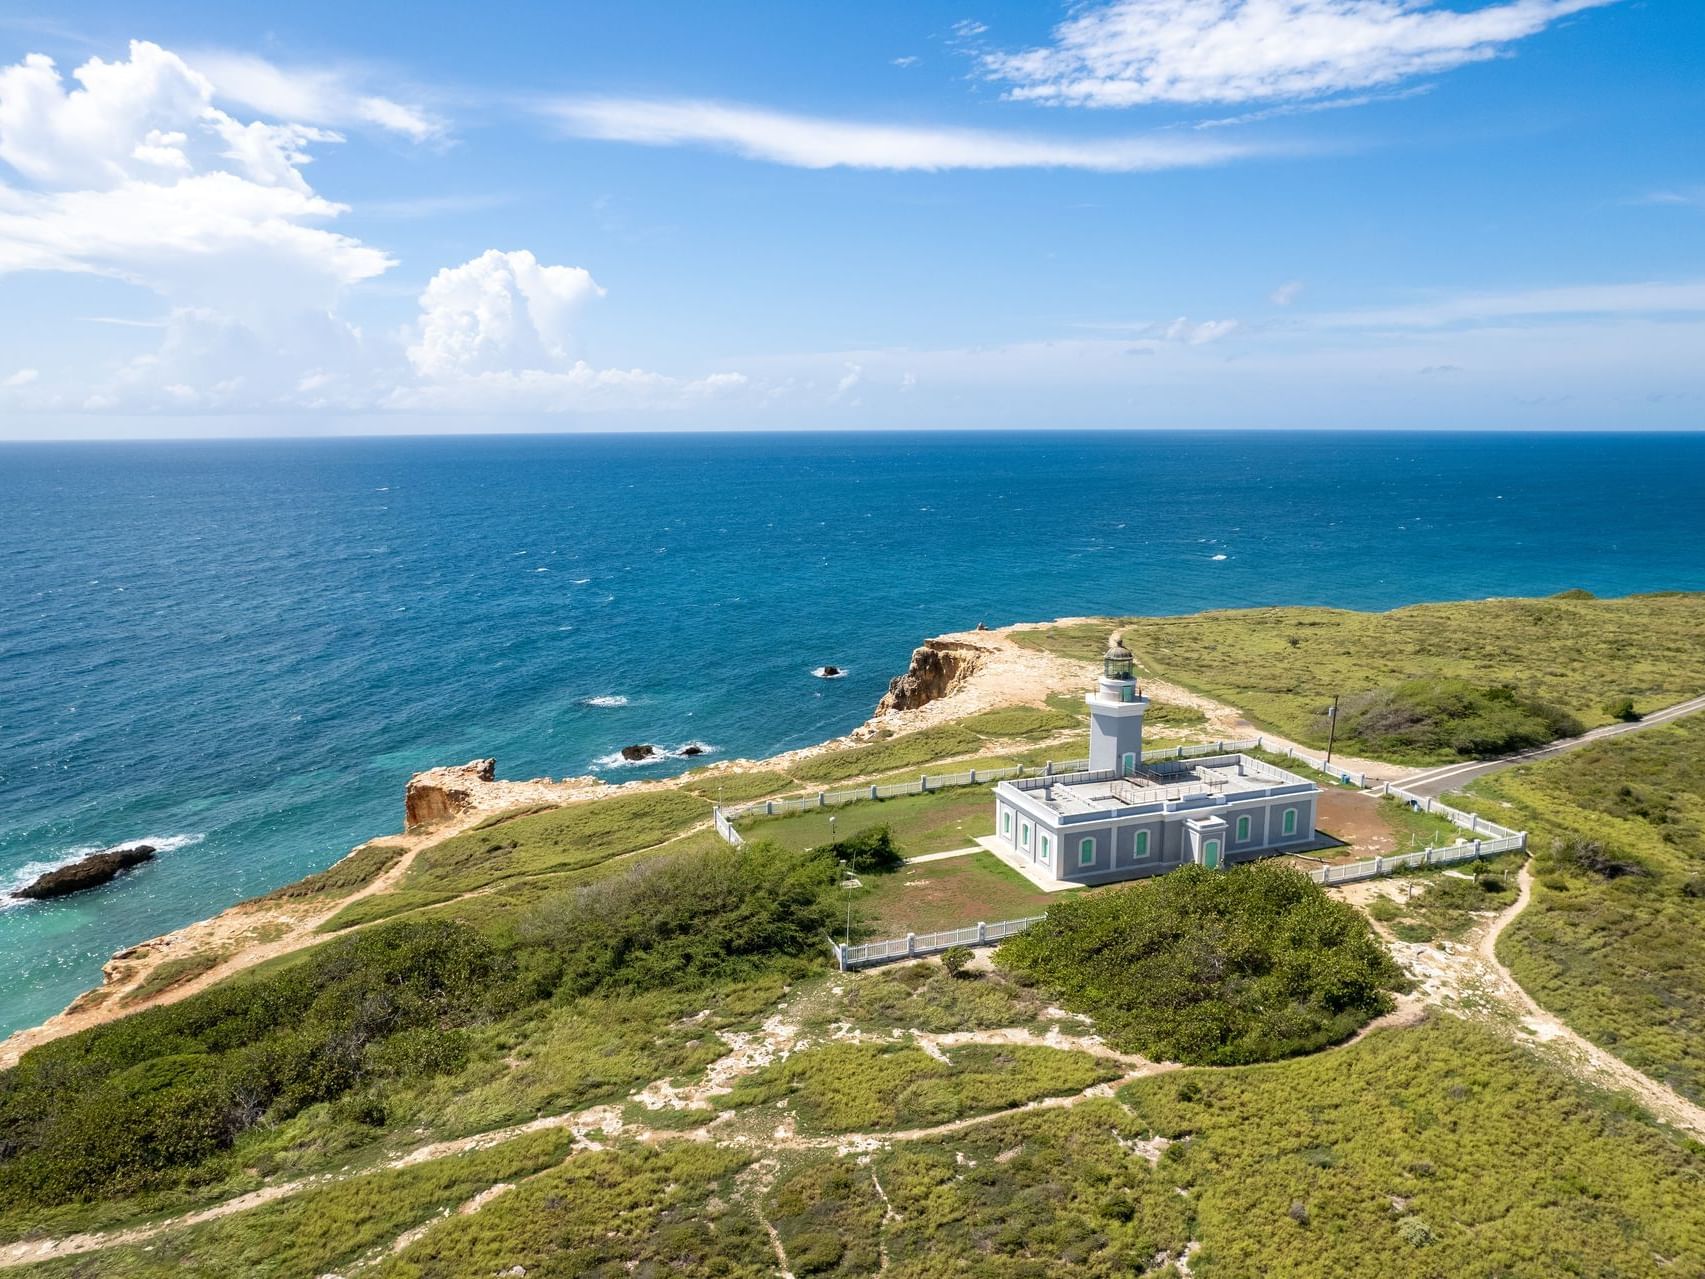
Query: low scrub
{"x":1433,"y":716}
{"x":909,"y":750}
{"x":1211,"y":967}
{"x":155,"y":1099}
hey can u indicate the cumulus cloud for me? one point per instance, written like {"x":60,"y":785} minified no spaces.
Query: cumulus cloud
{"x":23,"y":377}
{"x":497,"y":334}
{"x":333,"y":96}
{"x":817,"y":142}
{"x":1132,"y":52}
{"x":498,"y":311}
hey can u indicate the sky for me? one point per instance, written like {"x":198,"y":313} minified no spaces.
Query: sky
{"x":245,"y":219}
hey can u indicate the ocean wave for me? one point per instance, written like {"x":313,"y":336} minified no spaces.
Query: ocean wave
{"x":29,"y":872}
{"x":1216,"y":557}
{"x":686,"y":750}
{"x":611,"y":699}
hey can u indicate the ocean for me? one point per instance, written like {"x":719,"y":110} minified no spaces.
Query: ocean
{"x":239,"y":651}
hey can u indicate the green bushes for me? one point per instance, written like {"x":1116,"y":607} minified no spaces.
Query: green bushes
{"x":1211,"y":967}
{"x":1433,"y":716}
{"x":872,"y":849}
{"x":155,"y":1099}
{"x":684,"y":920}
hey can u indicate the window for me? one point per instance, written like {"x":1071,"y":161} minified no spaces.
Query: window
{"x":1045,"y":849}
{"x":1242,"y":829}
{"x":1290,"y":826}
{"x":1024,"y":833}
{"x":1006,"y":825}
{"x":1140,"y":850}
{"x":1086,"y":853}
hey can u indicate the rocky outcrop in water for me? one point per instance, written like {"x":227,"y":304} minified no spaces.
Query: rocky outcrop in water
{"x":633,"y":754}
{"x":439,"y":793}
{"x":937,"y":668}
{"x":91,"y":872}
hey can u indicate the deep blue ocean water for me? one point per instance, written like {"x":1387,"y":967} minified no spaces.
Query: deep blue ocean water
{"x":244,"y":649}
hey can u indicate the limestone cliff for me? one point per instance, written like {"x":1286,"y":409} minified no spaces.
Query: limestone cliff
{"x":440,"y":793}
{"x":938,"y":668}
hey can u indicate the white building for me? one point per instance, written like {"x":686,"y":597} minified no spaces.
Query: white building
{"x":1123,"y":819}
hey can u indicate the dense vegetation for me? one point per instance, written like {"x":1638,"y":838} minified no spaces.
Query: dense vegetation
{"x":1614,"y":940}
{"x":169,"y":1097}
{"x":152,"y":1098}
{"x":1430,"y":717}
{"x":1211,"y":967}
{"x":1595,"y":659}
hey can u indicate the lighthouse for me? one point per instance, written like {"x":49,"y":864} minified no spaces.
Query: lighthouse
{"x":1116,"y":713}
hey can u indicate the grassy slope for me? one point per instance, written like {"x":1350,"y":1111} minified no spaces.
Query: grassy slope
{"x":1621,"y":960}
{"x":1576,"y":653}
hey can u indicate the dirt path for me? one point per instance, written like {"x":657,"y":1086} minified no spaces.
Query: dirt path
{"x":1468,"y":978}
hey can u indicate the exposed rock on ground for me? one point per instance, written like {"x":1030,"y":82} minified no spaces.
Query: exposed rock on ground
{"x":441,"y":793}
{"x":91,"y":872}
{"x":938,"y":668}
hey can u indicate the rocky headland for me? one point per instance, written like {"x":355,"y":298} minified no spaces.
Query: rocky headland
{"x":90,"y":872}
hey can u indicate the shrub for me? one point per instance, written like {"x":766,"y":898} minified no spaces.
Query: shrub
{"x":1212,"y":967}
{"x":1622,"y":708}
{"x":1434,"y":715}
{"x":1415,"y":1232}
{"x":683,"y":920}
{"x":954,"y":960}
{"x":154,"y":1099}
{"x":1594,"y":858}
{"x":869,"y":850}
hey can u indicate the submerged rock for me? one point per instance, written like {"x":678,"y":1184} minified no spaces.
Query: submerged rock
{"x":91,"y":872}
{"x":643,"y":750}
{"x":691,"y":749}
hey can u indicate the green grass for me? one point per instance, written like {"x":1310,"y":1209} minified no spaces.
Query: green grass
{"x":172,"y":973}
{"x":929,"y":823}
{"x":954,"y":893}
{"x":1020,"y":721}
{"x":1283,"y":665}
{"x":1622,"y":960}
{"x":922,"y":996}
{"x":737,"y":788}
{"x":382,"y":906}
{"x":321,"y":1230}
{"x":342,"y":878}
{"x":566,"y":838}
{"x":1320,"y":1167}
{"x":907,"y":751}
{"x":1211,"y":967}
{"x":877,"y":1087}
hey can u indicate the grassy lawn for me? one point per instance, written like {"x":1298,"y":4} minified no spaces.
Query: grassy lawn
{"x":1282,"y":665}
{"x":1614,"y":940}
{"x":930,"y":823}
{"x":954,"y":893}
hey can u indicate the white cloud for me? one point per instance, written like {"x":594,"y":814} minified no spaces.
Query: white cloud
{"x":499,"y":311}
{"x":1183,"y":330}
{"x":1651,"y":298}
{"x":815,"y":142}
{"x":909,"y":60}
{"x":23,"y":377}
{"x":1131,"y":52}
{"x":1286,"y":293}
{"x":314,"y":95}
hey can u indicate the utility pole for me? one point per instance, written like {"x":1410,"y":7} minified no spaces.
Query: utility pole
{"x":1331,"y":726}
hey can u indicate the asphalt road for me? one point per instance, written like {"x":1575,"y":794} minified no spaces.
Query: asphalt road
{"x":1436,"y":781}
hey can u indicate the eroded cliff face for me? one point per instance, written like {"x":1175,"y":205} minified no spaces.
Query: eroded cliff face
{"x":938,"y":668}
{"x":440,"y":793}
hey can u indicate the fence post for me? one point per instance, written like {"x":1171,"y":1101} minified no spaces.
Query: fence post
{"x":1378,"y":866}
{"x":769,"y":808}
{"x":973,"y":777}
{"x":911,"y":943}
{"x":982,"y":932}
{"x":1047,"y":768}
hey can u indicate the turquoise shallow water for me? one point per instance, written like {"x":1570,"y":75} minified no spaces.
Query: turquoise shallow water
{"x":244,"y":649}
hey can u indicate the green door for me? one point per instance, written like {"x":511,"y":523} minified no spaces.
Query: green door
{"x":1211,"y":854}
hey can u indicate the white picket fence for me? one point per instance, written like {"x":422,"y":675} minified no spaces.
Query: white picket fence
{"x":1345,"y":775}
{"x":914,"y":944}
{"x":726,"y":817}
{"x":1441,"y":855}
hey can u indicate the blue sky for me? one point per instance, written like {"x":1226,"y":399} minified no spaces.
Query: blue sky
{"x":247,"y":219}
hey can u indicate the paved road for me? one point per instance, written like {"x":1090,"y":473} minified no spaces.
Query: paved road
{"x":1449,"y":777}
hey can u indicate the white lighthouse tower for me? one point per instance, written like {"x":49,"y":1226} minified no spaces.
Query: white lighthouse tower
{"x":1116,"y":713}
